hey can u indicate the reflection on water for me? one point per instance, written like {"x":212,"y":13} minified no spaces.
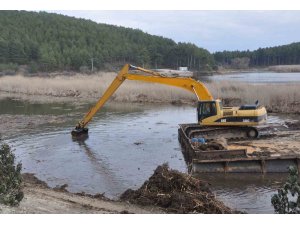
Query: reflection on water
{"x":251,"y":193}
{"x":126,"y":143}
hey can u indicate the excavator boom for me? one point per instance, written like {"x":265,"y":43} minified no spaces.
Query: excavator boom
{"x":144,"y":75}
{"x":210,"y":112}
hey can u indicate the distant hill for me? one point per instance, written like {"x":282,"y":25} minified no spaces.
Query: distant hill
{"x":262,"y":57}
{"x":48,"y":41}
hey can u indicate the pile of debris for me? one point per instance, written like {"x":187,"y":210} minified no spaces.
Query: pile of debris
{"x":208,"y":145}
{"x":175,"y":192}
{"x":294,"y":125}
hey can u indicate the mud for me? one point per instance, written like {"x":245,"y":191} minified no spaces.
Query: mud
{"x":284,"y":143}
{"x":293,"y":125}
{"x":175,"y":192}
{"x":31,"y":180}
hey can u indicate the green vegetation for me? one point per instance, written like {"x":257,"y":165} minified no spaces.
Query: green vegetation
{"x":280,"y":55}
{"x":10,"y":177}
{"x":48,"y":41}
{"x":8,"y":68}
{"x":287,"y":201}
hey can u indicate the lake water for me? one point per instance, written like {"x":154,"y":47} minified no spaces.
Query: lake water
{"x":125,"y":144}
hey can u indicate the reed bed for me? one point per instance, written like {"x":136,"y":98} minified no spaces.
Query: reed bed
{"x":276,"y":97}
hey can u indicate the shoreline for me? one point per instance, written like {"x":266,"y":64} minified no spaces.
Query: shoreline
{"x":220,"y":71}
{"x":40,"y":199}
{"x":282,"y":102}
{"x":235,"y":71}
{"x":275,"y":69}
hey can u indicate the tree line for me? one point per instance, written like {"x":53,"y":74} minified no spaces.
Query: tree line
{"x":49,"y":41}
{"x":279,"y":55}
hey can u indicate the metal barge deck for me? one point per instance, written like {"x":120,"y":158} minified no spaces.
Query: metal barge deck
{"x":230,"y":161}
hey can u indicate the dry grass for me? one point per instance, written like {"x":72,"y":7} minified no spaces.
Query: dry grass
{"x":285,"y":68}
{"x":91,"y":87}
{"x":276,"y":97}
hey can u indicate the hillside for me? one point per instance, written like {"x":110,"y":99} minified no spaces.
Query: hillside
{"x":48,"y":42}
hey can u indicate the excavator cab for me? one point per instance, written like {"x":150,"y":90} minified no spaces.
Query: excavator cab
{"x":206,"y":109}
{"x":209,"y":110}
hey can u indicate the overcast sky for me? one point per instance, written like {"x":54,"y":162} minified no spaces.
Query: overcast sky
{"x":213,"y":30}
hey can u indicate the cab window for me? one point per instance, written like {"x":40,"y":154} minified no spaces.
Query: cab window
{"x":206,"y":109}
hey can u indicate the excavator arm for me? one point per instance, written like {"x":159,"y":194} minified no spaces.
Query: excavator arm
{"x":186,"y":83}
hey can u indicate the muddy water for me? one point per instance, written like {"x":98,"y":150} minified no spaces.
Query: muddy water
{"x":251,"y":193}
{"x":125,"y":144}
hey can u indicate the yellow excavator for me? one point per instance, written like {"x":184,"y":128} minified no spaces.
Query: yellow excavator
{"x":211,"y":114}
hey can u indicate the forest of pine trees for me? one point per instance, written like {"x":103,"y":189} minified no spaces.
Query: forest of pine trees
{"x":280,"y":55}
{"x":48,"y":42}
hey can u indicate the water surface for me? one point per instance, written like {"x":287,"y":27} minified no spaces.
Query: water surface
{"x":125,"y":144}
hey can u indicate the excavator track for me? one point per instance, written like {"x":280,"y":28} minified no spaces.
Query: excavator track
{"x":230,"y":133}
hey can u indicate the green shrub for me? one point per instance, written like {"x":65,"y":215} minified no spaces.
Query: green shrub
{"x":33,"y":67}
{"x":287,"y":201}
{"x":10,"y":177}
{"x":9,"y":68}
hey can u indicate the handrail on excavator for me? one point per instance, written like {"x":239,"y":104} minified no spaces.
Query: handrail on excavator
{"x":187,"y":83}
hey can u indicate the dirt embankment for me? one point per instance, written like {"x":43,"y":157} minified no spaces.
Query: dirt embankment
{"x":39,"y":198}
{"x":166,"y":191}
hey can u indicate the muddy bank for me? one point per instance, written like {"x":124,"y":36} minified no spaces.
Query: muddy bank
{"x":39,"y":198}
{"x":167,"y":191}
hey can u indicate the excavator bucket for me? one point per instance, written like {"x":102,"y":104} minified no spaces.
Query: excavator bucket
{"x":79,"y":132}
